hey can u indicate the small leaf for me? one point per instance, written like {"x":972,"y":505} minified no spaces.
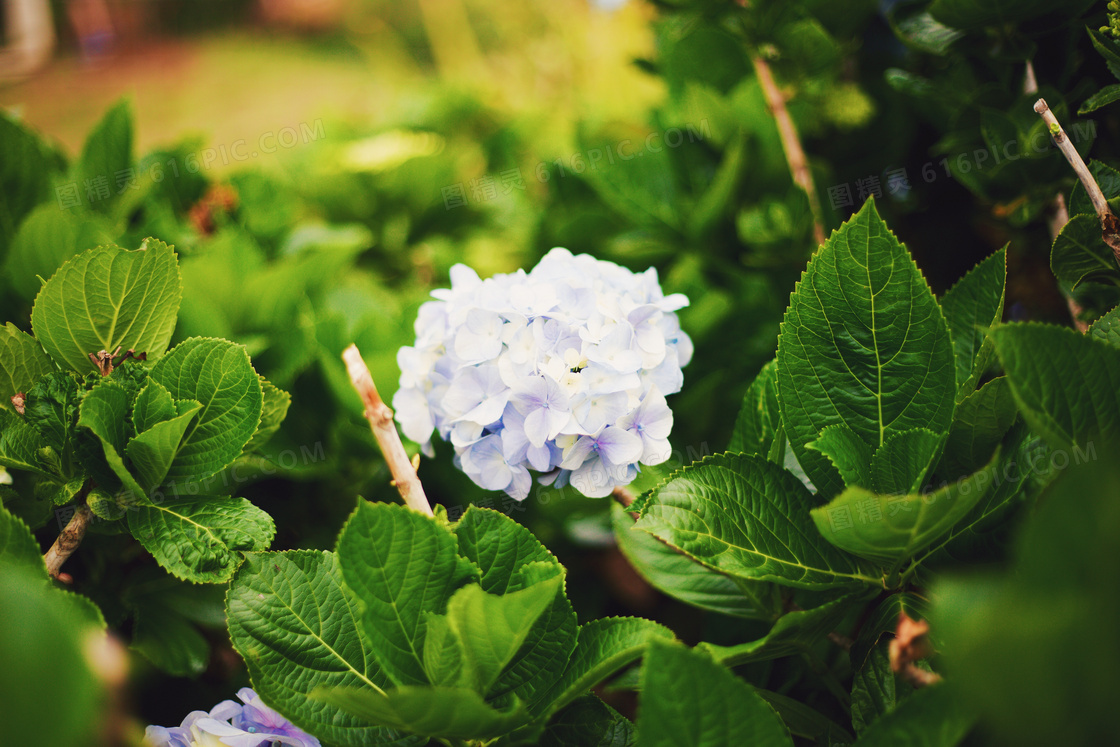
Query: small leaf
{"x":1103,"y":97}
{"x":218,"y":375}
{"x":873,"y":690}
{"x":22,"y":362}
{"x":104,"y":411}
{"x":297,"y":627}
{"x":971,"y":306}
{"x":901,"y":464}
{"x":758,"y":428}
{"x":201,"y":539}
{"x":689,"y":700}
{"x":979,"y":424}
{"x":153,"y":451}
{"x":1107,"y":328}
{"x":402,"y":566}
{"x":747,"y":517}
{"x":275,"y":408}
{"x":849,"y":454}
{"x":109,"y":298}
{"x":864,"y":344}
{"x":1079,"y":253}
{"x":21,"y":446}
{"x":51,"y":407}
{"x":154,"y":404}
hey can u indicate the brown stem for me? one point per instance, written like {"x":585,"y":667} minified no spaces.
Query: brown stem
{"x":380,"y":419}
{"x":791,"y":143}
{"x":1110,"y":225}
{"x":69,"y":539}
{"x":623,"y":496}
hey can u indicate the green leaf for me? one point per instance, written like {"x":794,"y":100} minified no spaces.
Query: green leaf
{"x":1107,"y":48}
{"x":681,"y":577}
{"x":153,"y":451}
{"x":747,"y":517}
{"x":511,"y":558}
{"x":901,"y":464}
{"x":883,"y":620}
{"x":18,"y":548}
{"x":1104,"y":97}
{"x":201,"y":539}
{"x":863,"y":344}
{"x":22,"y":362}
{"x":1067,"y":385}
{"x":979,"y":424}
{"x":849,"y":453}
{"x":689,"y":700}
{"x":107,"y":153}
{"x":1079,"y":253}
{"x":971,"y":306}
{"x":443,"y":652}
{"x":490,"y":628}
{"x":169,"y":641}
{"x":919,"y":29}
{"x":803,"y":721}
{"x":104,"y":411}
{"x":588,"y":722}
{"x":109,"y":298}
{"x":603,"y":648}
{"x":154,"y":404}
{"x":402,"y":566}
{"x":1107,"y":328}
{"x":218,"y":375}
{"x":931,"y":717}
{"x":793,"y":633}
{"x":873,"y":689}
{"x":297,"y":627}
{"x":26,"y":168}
{"x":21,"y":446}
{"x":46,"y":239}
{"x":51,"y":407}
{"x":1107,"y":178}
{"x":758,"y":429}
{"x":432,"y":711}
{"x":888,"y":529}
{"x":275,"y":408}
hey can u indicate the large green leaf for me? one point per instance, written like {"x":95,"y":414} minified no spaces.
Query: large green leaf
{"x":863,"y":344}
{"x":1067,"y":385}
{"x":107,"y":154}
{"x":298,"y":628}
{"x":758,"y":428}
{"x":432,"y":711}
{"x":218,"y":375}
{"x":109,"y":298}
{"x":22,"y":362}
{"x":201,"y":539}
{"x":681,"y":577}
{"x":688,"y":700}
{"x":889,"y":529}
{"x":1079,"y":253}
{"x":980,"y":422}
{"x":403,"y":567}
{"x":747,"y":517}
{"x":793,"y":633}
{"x":971,"y":306}
{"x":931,"y":717}
{"x":604,"y":647}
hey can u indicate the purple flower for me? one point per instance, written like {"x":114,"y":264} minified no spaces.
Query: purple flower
{"x":232,"y":725}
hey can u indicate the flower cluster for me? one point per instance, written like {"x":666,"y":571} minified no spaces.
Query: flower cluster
{"x":563,"y":370}
{"x":232,"y":725}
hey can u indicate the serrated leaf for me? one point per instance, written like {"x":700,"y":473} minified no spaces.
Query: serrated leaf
{"x":491,"y":628}
{"x":21,"y":446}
{"x":603,"y":648}
{"x":18,"y":547}
{"x":863,"y":344}
{"x":902,"y":463}
{"x":683,"y":578}
{"x":747,"y":517}
{"x":51,"y":408}
{"x":63,"y":493}
{"x":443,"y":652}
{"x":793,"y":633}
{"x":432,"y":711}
{"x":689,"y":700}
{"x":499,"y":546}
{"x":1107,"y":48}
{"x":275,"y":408}
{"x":402,"y":566}
{"x":588,"y":722}
{"x":107,"y":153}
{"x":971,"y":306}
{"x":873,"y":690}
{"x":931,"y":717}
{"x":979,"y":424}
{"x":758,"y":428}
{"x":109,"y":298}
{"x":888,"y":529}
{"x":154,"y":404}
{"x":1067,"y":385}
{"x":1103,"y":97}
{"x":201,"y":539}
{"x":22,"y":362}
{"x":1079,"y":253}
{"x":104,"y":411}
{"x":297,"y":627}
{"x":218,"y":375}
{"x":153,"y":451}
{"x":849,"y":454}
{"x":1107,"y":328}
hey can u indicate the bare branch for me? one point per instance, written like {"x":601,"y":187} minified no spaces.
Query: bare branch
{"x":380,"y":419}
{"x":68,"y":540}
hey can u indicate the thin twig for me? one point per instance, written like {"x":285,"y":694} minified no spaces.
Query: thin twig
{"x":1110,"y":225}
{"x":791,"y":143}
{"x":69,"y":539}
{"x":380,"y":419}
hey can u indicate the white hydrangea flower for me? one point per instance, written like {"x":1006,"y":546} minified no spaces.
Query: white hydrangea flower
{"x":562,"y":370}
